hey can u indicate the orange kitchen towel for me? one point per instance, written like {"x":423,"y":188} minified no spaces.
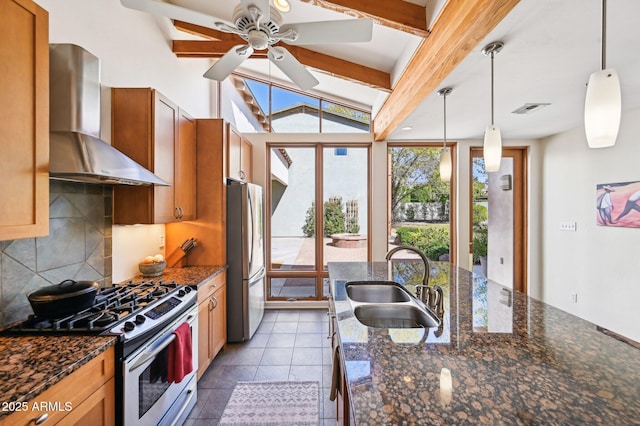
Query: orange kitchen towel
{"x":180,"y":359}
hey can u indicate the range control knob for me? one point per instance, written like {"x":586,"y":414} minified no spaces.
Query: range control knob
{"x":181,"y":293}
{"x":187,"y":289}
{"x":129,"y":326}
{"x":140,"y":319}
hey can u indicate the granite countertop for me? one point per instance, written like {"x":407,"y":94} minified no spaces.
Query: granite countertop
{"x":189,"y":275}
{"x":512,"y":359}
{"x":29,"y":365}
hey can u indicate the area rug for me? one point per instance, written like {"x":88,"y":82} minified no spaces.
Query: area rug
{"x":273,"y":403}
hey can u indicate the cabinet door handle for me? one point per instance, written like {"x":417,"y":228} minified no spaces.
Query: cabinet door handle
{"x":43,"y":418}
{"x":211,"y":307}
{"x":241,"y":174}
{"x":177,"y":213}
{"x":215,"y":302}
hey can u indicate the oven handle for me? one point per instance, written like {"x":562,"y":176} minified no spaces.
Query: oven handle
{"x":146,"y":357}
{"x":153,"y":353}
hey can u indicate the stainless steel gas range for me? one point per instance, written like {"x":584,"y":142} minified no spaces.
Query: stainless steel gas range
{"x":146,"y":316}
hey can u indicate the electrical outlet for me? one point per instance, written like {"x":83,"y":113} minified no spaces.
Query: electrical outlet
{"x":568,"y":226}
{"x":161,"y":241}
{"x":574,"y":297}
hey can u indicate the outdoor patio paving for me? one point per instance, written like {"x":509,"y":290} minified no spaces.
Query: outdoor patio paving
{"x":298,"y":253}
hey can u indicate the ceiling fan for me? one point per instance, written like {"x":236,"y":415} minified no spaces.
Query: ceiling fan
{"x":260,"y":25}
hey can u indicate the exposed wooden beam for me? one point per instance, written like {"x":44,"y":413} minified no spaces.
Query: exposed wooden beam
{"x":205,"y":32}
{"x":321,"y":62}
{"x":458,"y":30}
{"x":400,"y":15}
{"x":209,"y":48}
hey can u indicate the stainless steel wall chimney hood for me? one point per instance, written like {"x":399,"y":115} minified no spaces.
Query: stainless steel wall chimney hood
{"x":76,"y":151}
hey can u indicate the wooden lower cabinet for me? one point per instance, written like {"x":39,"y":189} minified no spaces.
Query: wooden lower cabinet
{"x":97,"y":409}
{"x":85,"y":397}
{"x":212,"y":320}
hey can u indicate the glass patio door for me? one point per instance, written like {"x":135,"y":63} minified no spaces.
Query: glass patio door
{"x":308,"y":182}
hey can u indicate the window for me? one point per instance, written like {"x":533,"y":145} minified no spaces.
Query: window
{"x":309,"y":227}
{"x":283,"y":110}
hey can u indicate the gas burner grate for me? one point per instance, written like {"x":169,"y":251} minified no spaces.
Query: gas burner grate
{"x":112,"y":305}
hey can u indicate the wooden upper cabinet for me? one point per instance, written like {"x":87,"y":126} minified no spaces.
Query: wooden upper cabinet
{"x":239,"y":156}
{"x":24,"y":108}
{"x":246,"y":159}
{"x":156,"y":133}
{"x":186,"y":166}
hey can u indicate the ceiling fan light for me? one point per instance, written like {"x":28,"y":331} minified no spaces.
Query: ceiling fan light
{"x":492,"y":149}
{"x":602,"y":109}
{"x":445,"y":165}
{"x":282,"y":5}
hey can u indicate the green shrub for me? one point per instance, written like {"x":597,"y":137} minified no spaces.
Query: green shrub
{"x":309,"y":227}
{"x":333,"y":217}
{"x":432,"y":240}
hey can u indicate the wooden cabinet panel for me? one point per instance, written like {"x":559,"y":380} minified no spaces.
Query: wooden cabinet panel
{"x":246,"y":160}
{"x":234,"y":148}
{"x":186,"y":166}
{"x":239,"y":156}
{"x":209,"y":228}
{"x":89,"y":394}
{"x":212,"y":317}
{"x":154,"y":132}
{"x":164,"y":118}
{"x":98,"y":409}
{"x":24,"y":108}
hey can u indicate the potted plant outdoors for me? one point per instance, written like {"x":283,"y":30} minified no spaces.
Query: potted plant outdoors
{"x":480,"y":246}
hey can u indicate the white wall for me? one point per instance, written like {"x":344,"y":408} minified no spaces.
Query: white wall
{"x":134,"y":49}
{"x":598,"y":263}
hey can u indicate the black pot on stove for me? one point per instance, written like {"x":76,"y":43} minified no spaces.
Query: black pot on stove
{"x":65,"y":298}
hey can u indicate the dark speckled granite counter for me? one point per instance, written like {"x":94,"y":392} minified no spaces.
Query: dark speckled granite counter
{"x":29,"y":365}
{"x":512,"y":360}
{"x":189,"y":275}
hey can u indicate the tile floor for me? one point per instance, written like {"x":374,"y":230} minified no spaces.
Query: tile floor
{"x":288,"y":345}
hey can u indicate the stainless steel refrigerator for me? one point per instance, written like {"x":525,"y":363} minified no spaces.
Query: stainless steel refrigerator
{"x":246,"y":259}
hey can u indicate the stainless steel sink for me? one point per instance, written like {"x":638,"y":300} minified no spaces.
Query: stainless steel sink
{"x":391,"y":315}
{"x":376,"y":292}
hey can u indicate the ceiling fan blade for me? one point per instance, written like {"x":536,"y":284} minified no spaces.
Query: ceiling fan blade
{"x":262,"y":5}
{"x":172,"y":11}
{"x":289,"y":65}
{"x":342,"y":31}
{"x":225,"y":65}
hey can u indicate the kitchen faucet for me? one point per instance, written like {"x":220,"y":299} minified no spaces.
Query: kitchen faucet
{"x":433,"y":297}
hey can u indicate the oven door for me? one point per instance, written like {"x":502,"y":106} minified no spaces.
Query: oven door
{"x":149,"y":399}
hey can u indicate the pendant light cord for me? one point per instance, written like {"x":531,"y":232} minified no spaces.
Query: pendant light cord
{"x":492,"y":55}
{"x":445,"y":121}
{"x":604,"y":34}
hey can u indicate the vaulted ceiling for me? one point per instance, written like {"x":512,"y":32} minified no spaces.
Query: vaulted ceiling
{"x":419,"y":46}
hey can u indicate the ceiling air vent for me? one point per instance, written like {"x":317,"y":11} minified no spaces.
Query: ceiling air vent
{"x":529,"y":108}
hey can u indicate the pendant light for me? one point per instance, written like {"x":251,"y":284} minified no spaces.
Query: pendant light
{"x":603,"y":103}
{"x":492,"y":148}
{"x":445,"y":155}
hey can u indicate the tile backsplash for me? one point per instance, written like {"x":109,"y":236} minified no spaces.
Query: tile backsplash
{"x":78,"y":247}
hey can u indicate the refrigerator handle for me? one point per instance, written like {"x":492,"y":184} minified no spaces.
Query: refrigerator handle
{"x":259,"y":275}
{"x":251,"y":230}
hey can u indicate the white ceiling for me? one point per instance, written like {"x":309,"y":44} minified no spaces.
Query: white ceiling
{"x":551,"y":48}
